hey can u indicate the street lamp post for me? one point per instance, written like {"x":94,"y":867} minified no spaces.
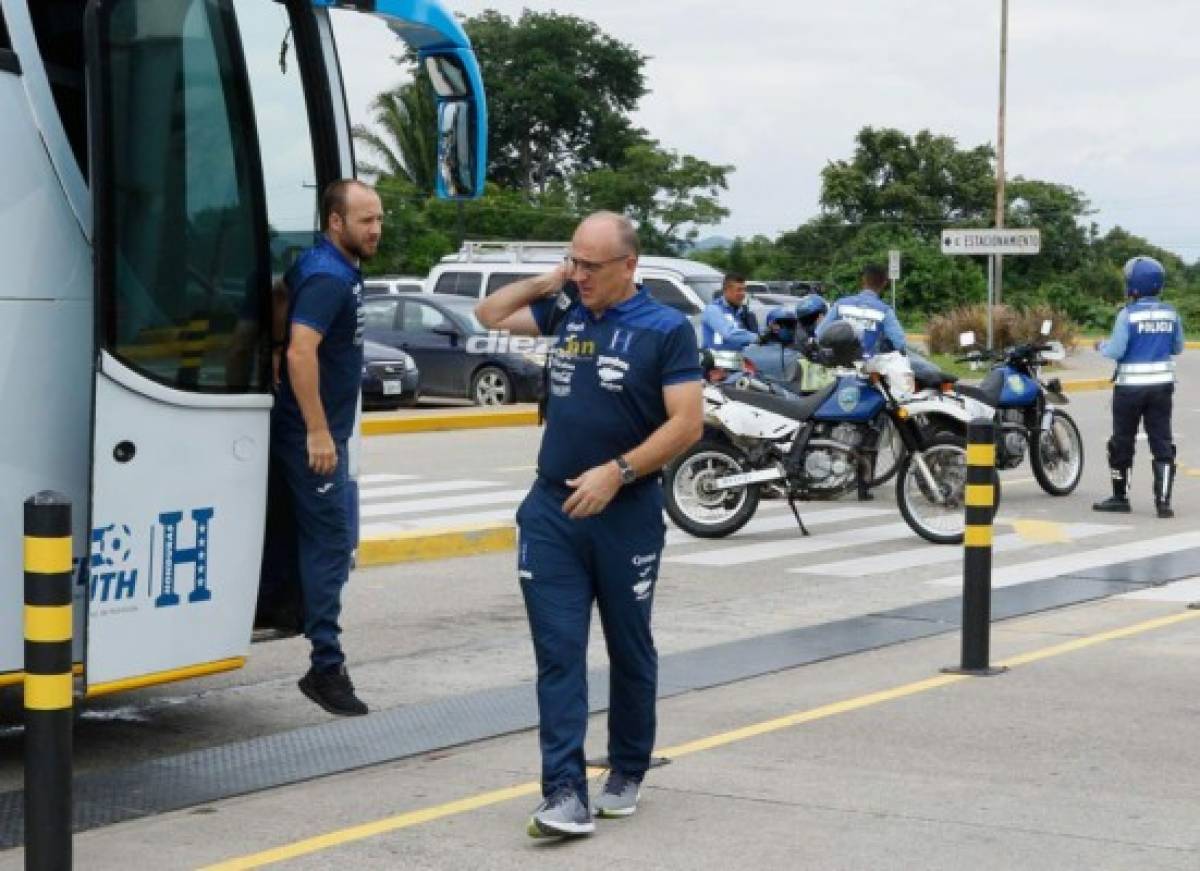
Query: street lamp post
{"x":999,"y":266}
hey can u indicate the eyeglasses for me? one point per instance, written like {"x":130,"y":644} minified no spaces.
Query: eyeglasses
{"x":590,"y":267}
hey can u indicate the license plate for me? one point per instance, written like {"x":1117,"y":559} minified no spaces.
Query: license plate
{"x":748,"y":478}
{"x":393,"y":388}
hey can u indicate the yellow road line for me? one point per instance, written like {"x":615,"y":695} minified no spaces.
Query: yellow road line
{"x":425,"y":815}
{"x":401,"y":423}
{"x":1080,"y":385}
{"x":441,"y":543}
{"x":1041,"y":531}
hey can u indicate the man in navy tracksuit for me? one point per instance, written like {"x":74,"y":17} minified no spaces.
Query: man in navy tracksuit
{"x":1147,"y":334}
{"x":624,"y":398}
{"x":313,"y":420}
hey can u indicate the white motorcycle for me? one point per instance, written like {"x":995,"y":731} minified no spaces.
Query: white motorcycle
{"x":817,"y":447}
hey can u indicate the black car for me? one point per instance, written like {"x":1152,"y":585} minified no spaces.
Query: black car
{"x":390,"y":377}
{"x":456,"y":355}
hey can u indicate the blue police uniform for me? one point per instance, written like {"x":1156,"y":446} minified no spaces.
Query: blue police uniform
{"x":325,"y":293}
{"x":726,"y":327}
{"x":607,"y":375}
{"x":871,"y":317}
{"x":1147,"y":334}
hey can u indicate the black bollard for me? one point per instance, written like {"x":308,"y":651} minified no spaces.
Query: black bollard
{"x":49,"y":686}
{"x":977,"y":550}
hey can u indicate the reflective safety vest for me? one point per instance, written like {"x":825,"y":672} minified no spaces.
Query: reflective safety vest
{"x":1151,"y":327}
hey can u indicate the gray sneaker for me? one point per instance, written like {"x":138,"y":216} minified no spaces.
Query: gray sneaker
{"x":562,"y":814}
{"x":619,"y":796}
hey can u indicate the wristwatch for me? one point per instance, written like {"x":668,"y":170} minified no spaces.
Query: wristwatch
{"x":628,"y":475}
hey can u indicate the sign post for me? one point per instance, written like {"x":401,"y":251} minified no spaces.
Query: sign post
{"x":993,"y":243}
{"x":893,"y":272}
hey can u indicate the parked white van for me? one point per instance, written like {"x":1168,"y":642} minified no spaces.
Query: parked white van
{"x":481,"y":268}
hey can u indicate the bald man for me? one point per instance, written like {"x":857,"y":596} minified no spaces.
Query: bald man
{"x":624,"y":398}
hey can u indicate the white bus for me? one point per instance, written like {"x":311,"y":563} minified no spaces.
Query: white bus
{"x":160,"y":161}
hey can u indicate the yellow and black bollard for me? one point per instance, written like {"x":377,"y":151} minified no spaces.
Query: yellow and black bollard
{"x":977,"y":551}
{"x":49,"y":686}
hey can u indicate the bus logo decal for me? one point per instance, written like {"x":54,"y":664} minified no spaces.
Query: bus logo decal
{"x":173,"y":556}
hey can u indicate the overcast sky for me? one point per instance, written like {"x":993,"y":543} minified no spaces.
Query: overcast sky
{"x":1104,"y":96}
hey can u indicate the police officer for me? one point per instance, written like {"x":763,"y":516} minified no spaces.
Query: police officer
{"x":1148,"y":332}
{"x":313,"y":419}
{"x":625,"y":397}
{"x":871,"y":317}
{"x":727,"y":323}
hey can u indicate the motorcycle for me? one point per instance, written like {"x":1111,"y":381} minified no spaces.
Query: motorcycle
{"x":817,"y":446}
{"x":1025,"y":416}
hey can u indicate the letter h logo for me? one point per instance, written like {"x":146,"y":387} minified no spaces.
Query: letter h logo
{"x":174,"y":556}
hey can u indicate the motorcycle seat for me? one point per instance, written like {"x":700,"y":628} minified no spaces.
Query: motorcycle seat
{"x":934,"y":378}
{"x":801,"y":408}
{"x":988,"y":391}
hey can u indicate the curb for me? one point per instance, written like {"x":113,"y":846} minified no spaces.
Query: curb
{"x":466,"y":419}
{"x":433,"y":544}
{"x":1082,"y":385}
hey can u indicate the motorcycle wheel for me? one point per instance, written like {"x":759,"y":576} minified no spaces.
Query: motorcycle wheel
{"x":691,"y":501}
{"x":939,"y":519}
{"x":1057,"y":456}
{"x":891,"y":451}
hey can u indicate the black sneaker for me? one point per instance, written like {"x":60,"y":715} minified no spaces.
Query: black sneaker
{"x":333,"y":691}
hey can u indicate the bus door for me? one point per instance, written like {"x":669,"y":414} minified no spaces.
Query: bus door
{"x":181,"y":409}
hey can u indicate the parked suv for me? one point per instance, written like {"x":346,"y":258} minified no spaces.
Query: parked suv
{"x":481,"y":268}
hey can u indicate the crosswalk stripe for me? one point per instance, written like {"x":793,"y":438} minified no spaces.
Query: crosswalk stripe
{"x":1179,"y":591}
{"x":929,"y":556}
{"x":1040,"y":570}
{"x":677,"y":537}
{"x":438,"y":521}
{"x":748,"y":553}
{"x":418,"y":506}
{"x":372,"y":480}
{"x":423,"y":488}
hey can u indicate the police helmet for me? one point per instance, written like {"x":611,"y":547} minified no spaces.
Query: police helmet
{"x":1144,"y":276}
{"x":842,"y":343}
{"x":809,"y":308}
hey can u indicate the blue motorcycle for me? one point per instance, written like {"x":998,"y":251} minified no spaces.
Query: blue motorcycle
{"x":820,"y":446}
{"x":1025,"y":414}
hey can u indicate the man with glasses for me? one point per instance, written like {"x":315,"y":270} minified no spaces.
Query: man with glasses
{"x":727,"y":323}
{"x":624,"y":399}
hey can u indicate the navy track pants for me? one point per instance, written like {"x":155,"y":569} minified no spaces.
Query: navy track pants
{"x":564,"y":565}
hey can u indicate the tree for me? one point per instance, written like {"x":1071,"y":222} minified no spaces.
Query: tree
{"x":559,"y":93}
{"x":406,"y":146}
{"x":924,"y":182}
{"x":666,"y":193}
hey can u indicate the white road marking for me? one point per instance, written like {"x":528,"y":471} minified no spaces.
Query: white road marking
{"x":439,"y":521}
{"x":1187,"y":590}
{"x":1049,"y":568}
{"x":929,"y":556}
{"x":749,"y":553}
{"x":418,"y":506}
{"x":423,"y":488}
{"x":785,"y":520}
{"x":372,"y":480}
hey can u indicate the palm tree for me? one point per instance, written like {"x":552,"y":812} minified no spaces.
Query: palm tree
{"x":407,"y":142}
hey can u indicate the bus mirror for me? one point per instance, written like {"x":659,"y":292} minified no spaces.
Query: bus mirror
{"x":449,"y":78}
{"x":456,"y":150}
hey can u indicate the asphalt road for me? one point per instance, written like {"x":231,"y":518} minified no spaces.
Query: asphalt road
{"x":425,"y":630}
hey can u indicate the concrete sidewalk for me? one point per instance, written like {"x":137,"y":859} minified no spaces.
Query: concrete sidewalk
{"x":1082,"y":756}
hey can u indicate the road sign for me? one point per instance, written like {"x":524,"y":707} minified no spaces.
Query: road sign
{"x":991,"y":241}
{"x":894,"y":265}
